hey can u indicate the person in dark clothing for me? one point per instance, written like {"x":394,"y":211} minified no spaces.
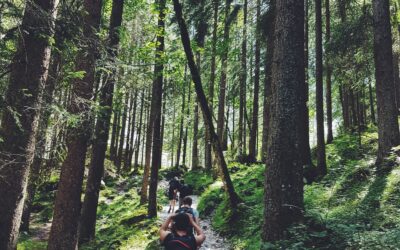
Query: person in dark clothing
{"x":174,"y":185}
{"x":187,"y":208}
{"x":180,"y":238}
{"x":184,"y":190}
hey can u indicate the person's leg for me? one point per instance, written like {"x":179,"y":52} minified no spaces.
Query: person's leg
{"x":170,"y":206}
{"x":173,"y":205}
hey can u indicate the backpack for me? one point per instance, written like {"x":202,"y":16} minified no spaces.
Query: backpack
{"x":184,"y":191}
{"x":176,"y":242}
{"x":188,"y":210}
{"x":173,"y":184}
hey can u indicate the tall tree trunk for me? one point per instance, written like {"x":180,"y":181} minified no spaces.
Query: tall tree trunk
{"x":208,"y":149}
{"x":64,"y":228}
{"x":321,"y":159}
{"x":149,"y":140}
{"x":396,"y":77}
{"x":254,"y":123}
{"x":388,"y":127}
{"x":114,"y":135}
{"x":114,"y":156}
{"x":371,"y":103}
{"x":269,"y":32}
{"x":130,"y":145}
{"x":283,"y":178}
{"x":96,"y":169}
{"x":164,"y":110}
{"x":195,"y":152}
{"x":224,"y":68}
{"x":344,"y":89}
{"x":185,"y":139}
{"x":145,"y":129}
{"x":157,"y":105}
{"x":242,"y":86}
{"x":125,"y":155}
{"x":328,"y":67}
{"x":139,"y":135}
{"x":45,"y":112}
{"x":178,"y":152}
{"x":20,"y":114}
{"x":118,"y":161}
{"x":232,"y":196}
{"x":173,"y":135}
{"x":305,"y":151}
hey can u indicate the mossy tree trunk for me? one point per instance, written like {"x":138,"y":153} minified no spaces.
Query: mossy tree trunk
{"x":67,"y":208}
{"x":388,"y":127}
{"x":96,"y":169}
{"x":28,"y":74}
{"x":283,"y":178}
{"x":156,"y":105}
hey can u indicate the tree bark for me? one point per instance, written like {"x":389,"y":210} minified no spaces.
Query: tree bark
{"x":178,"y":152}
{"x":305,"y":118}
{"x":328,"y":67}
{"x":125,"y":155}
{"x":114,"y":135}
{"x":185,"y":139}
{"x":208,"y":150}
{"x":195,"y":152}
{"x":371,"y":103}
{"x":396,"y":77}
{"x":321,"y":159}
{"x":64,"y":228}
{"x":269,"y":31}
{"x":139,"y":135}
{"x":40,"y":147}
{"x":118,"y":160}
{"x":148,"y":146}
{"x":254,"y":124}
{"x":242,"y":87}
{"x":283,"y":178}
{"x":229,"y":188}
{"x":130,"y":144}
{"x":224,"y":66}
{"x":96,"y":169}
{"x":157,"y":105}
{"x":28,"y":73}
{"x":388,"y":127}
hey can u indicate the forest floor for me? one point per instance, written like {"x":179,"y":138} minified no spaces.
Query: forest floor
{"x":214,"y":241}
{"x":122,"y":222}
{"x":353,"y":207}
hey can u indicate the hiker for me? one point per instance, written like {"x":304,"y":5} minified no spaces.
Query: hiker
{"x":172,"y":193}
{"x":180,"y":238}
{"x":184,"y":190}
{"x":187,"y":208}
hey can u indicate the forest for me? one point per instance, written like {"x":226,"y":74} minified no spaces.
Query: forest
{"x":278,"y":118}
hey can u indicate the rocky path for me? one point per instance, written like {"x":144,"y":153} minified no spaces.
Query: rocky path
{"x":213,"y":240}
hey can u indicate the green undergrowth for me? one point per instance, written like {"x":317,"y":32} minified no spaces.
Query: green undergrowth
{"x":199,"y":180}
{"x":122,"y":222}
{"x":353,"y":207}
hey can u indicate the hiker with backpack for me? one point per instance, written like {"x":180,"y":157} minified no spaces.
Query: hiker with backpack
{"x":180,"y":237}
{"x":186,"y":207}
{"x":174,"y":185}
{"x":184,"y":190}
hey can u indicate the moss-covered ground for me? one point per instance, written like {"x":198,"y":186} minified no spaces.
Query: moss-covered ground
{"x":122,"y":222}
{"x":353,"y":207}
